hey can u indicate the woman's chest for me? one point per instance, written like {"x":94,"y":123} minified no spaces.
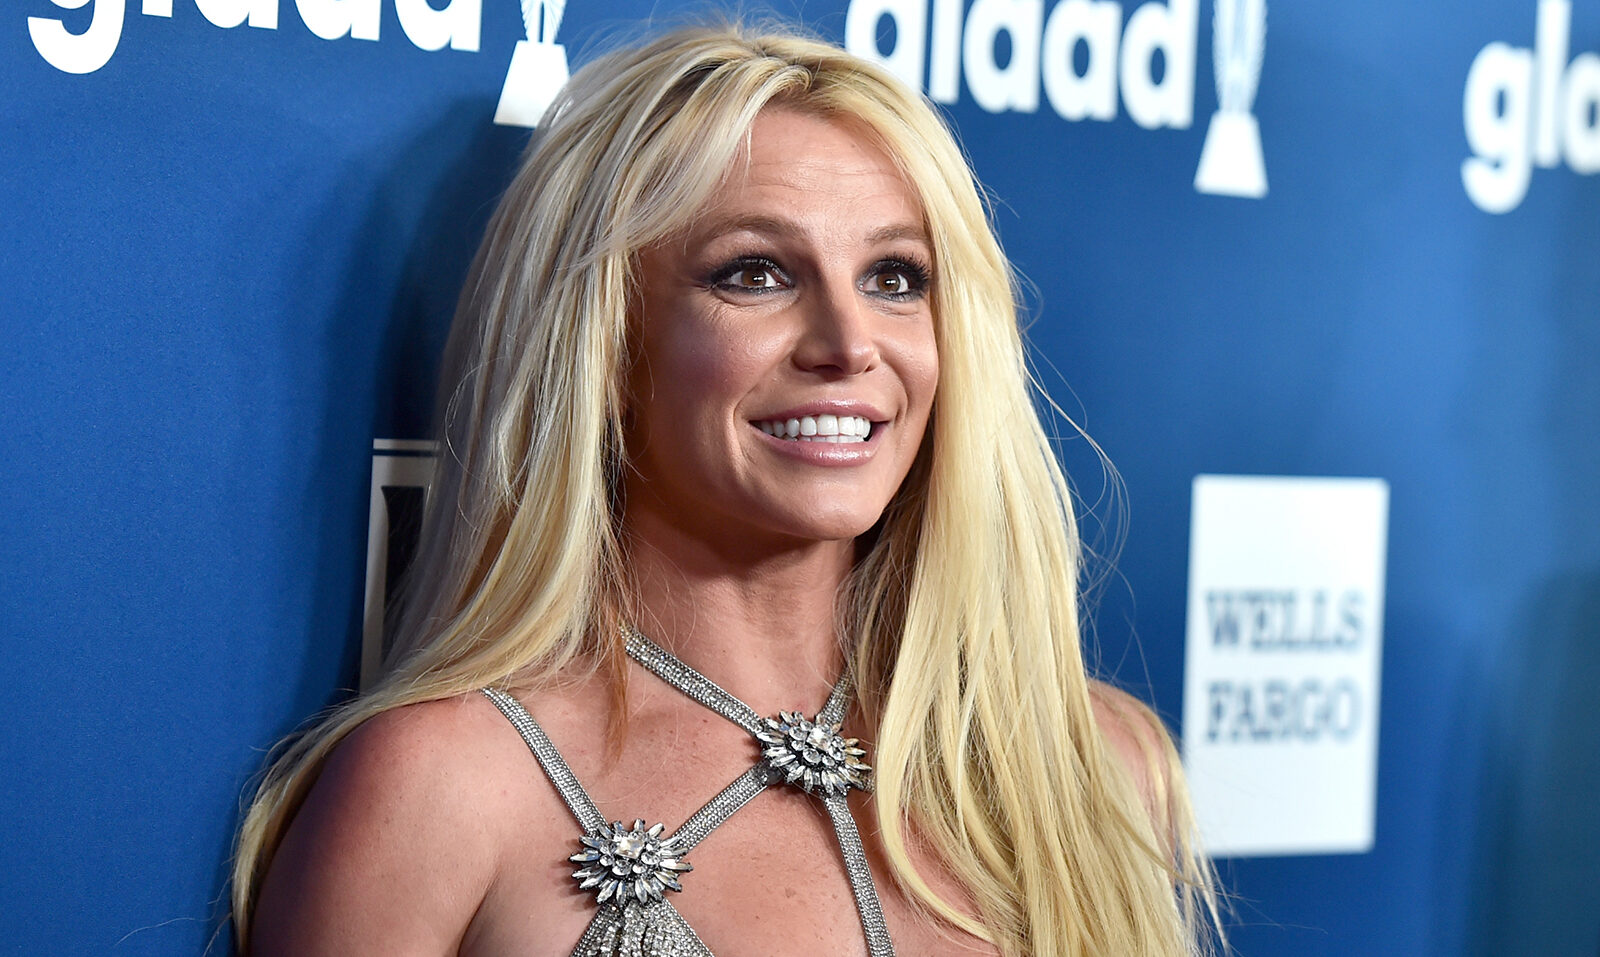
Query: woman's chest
{"x":769,"y":882}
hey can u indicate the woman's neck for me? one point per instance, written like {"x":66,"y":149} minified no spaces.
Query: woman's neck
{"x":756,"y":618}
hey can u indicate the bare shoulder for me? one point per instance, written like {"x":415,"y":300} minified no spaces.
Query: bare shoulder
{"x":1137,"y":739}
{"x":398,"y":841}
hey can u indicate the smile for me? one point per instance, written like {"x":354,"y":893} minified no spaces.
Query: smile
{"x":819,"y":428}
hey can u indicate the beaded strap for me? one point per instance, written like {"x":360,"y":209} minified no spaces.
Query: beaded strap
{"x":669,"y":668}
{"x":673,"y":671}
{"x":555,"y":766}
{"x":861,"y":885}
{"x":720,"y":808}
{"x":692,"y":832}
{"x":655,"y":928}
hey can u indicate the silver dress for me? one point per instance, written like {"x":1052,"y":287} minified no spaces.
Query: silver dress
{"x":629,"y":869}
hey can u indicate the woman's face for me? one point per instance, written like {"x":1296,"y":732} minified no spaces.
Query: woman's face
{"x":786,"y":346}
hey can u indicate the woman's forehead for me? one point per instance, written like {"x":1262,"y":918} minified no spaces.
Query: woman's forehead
{"x":798,"y":167}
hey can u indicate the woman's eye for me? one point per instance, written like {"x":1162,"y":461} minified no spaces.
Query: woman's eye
{"x":896,"y":280}
{"x":748,"y":276}
{"x":755,"y":277}
{"x":890,"y":283}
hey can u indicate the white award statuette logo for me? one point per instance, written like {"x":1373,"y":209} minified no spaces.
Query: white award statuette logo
{"x":1230,"y":162}
{"x":538,"y":66}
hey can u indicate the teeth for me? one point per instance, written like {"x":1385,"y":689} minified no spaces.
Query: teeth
{"x":819,"y":428}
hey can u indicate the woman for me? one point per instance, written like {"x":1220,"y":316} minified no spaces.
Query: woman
{"x":736,"y":395}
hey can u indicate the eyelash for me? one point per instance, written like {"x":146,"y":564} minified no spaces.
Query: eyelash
{"x":917,"y":275}
{"x":722,"y":277}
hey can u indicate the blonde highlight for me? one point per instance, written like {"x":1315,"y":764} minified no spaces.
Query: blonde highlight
{"x":963,"y":618}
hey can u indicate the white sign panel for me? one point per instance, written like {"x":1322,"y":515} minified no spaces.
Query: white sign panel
{"x":1284,"y":640}
{"x":401,"y":472}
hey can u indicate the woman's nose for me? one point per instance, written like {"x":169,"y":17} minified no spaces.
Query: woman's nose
{"x":837,"y":337}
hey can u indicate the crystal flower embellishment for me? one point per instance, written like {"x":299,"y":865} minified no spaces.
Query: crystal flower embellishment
{"x":627,"y":864}
{"x":813,"y":754}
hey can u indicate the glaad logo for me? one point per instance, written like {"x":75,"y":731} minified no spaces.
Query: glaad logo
{"x":1230,"y":162}
{"x":1121,"y":58}
{"x":1525,"y":108}
{"x":1042,"y":49}
{"x":538,"y":66}
{"x":457,"y":24}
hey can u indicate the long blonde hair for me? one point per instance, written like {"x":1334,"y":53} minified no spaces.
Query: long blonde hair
{"x":963,"y":612}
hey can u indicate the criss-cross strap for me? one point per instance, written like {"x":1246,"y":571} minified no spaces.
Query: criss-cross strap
{"x":721,"y":807}
{"x":625,"y":866}
{"x":669,"y":668}
{"x":861,"y":884}
{"x":674,"y":671}
{"x":633,"y":918}
{"x":808,"y":753}
{"x":555,"y":766}
{"x":731,"y":798}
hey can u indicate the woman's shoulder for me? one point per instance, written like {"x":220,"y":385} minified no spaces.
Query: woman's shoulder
{"x":402,"y":834}
{"x":438,"y":764}
{"x":1138,"y":741}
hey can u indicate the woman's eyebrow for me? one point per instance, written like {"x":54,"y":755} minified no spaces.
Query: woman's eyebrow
{"x":753,"y":223}
{"x":884,"y":234}
{"x":787,"y":229}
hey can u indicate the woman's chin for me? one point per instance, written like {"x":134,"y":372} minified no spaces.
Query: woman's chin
{"x":840,"y":526}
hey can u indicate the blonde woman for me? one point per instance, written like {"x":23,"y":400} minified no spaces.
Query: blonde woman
{"x":745,"y":620}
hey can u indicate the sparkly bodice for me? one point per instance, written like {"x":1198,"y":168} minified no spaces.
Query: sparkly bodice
{"x":631,"y":869}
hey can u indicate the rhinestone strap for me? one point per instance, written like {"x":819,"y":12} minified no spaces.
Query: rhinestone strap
{"x":838,"y":700}
{"x":675,"y":672}
{"x":701,"y":823}
{"x":671,"y":669}
{"x":650,"y":930}
{"x":720,"y":808}
{"x":578,"y":800}
{"x":601,"y":934}
{"x":666,"y":666}
{"x":855,"y":863}
{"x":697,"y":686}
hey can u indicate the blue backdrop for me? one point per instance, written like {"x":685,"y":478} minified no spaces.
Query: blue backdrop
{"x":229,"y":254}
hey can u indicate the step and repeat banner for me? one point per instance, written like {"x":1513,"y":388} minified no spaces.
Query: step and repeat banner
{"x":1322,"y":280}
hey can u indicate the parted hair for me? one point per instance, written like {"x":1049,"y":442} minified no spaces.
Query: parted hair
{"x":962,"y":613}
